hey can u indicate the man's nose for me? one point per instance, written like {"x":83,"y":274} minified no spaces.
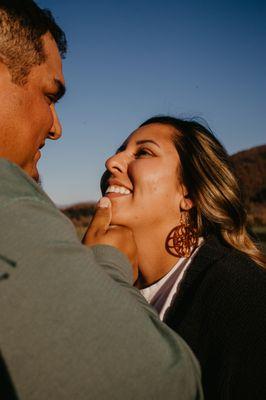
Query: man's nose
{"x":118,"y":163}
{"x":56,"y":130}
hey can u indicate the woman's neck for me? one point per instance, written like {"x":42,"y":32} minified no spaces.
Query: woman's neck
{"x":154,"y":261}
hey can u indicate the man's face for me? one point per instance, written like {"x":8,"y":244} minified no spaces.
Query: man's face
{"x":27,"y":113}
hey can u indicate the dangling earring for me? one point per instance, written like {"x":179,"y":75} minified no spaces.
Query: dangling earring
{"x":182,"y":239}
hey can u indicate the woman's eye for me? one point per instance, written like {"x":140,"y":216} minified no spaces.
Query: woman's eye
{"x":143,"y":153}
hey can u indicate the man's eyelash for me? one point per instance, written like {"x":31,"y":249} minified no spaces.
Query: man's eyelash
{"x":53,"y":98}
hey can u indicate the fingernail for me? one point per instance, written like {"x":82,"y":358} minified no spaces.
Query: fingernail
{"x":104,"y":202}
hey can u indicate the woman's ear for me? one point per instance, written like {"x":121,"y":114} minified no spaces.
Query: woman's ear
{"x":186,"y":203}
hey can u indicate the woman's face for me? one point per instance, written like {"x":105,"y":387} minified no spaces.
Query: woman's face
{"x":143,"y":183}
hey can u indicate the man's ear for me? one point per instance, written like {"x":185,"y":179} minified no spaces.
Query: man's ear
{"x":186,"y":202}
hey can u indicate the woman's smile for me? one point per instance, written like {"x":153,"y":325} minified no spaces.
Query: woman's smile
{"x":117,"y":191}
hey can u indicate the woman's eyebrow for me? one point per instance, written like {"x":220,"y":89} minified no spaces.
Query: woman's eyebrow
{"x":138,"y":142}
{"x":121,"y":148}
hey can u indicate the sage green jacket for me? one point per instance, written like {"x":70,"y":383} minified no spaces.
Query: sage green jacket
{"x":72,"y":326}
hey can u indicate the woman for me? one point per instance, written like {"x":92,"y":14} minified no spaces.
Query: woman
{"x":171,"y":183}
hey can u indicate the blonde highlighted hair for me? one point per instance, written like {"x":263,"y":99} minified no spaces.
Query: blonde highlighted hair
{"x":208,"y":176}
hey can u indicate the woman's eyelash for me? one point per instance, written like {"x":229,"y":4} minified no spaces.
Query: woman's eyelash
{"x":143,"y":151}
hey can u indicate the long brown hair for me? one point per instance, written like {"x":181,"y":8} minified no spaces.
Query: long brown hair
{"x":207,"y":174}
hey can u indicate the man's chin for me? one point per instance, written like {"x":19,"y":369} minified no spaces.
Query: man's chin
{"x":37,"y":178}
{"x":34,"y":174}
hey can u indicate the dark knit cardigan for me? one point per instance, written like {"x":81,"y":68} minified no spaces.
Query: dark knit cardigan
{"x":220,"y":311}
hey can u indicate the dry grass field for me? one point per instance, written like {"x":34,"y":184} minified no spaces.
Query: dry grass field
{"x":258,"y":231}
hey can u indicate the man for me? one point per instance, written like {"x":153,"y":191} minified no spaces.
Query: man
{"x":72,"y":325}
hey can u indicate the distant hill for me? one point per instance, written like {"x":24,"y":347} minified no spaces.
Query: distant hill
{"x":80,"y":214}
{"x":250,"y":170}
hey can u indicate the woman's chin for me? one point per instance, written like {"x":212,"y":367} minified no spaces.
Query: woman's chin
{"x":120,"y":220}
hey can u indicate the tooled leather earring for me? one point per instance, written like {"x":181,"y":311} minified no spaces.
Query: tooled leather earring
{"x":182,"y":239}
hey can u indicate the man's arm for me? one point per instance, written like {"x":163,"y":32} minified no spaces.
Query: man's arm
{"x":70,"y":330}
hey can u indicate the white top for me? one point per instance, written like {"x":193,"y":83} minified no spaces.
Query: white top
{"x":161,"y":293}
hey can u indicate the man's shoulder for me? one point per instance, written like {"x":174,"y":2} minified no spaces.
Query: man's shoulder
{"x":16,"y":185}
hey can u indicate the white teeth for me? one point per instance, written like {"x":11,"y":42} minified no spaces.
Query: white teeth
{"x":117,"y":189}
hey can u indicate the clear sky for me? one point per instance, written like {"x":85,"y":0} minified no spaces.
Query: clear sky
{"x":129,"y":60}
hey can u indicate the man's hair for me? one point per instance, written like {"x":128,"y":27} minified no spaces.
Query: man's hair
{"x":22,"y":25}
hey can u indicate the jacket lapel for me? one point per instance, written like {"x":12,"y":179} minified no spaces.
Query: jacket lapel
{"x":207,"y":255}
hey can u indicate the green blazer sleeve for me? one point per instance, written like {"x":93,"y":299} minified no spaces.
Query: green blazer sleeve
{"x":72,"y":326}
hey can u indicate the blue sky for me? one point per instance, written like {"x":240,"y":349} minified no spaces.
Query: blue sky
{"x":129,"y":60}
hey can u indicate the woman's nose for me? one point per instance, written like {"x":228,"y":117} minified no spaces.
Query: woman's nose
{"x":56,"y":130}
{"x":118,"y":163}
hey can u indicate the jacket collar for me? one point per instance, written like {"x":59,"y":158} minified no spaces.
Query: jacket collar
{"x":210,"y":252}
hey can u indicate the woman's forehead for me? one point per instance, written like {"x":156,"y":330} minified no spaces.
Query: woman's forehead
{"x":156,"y":131}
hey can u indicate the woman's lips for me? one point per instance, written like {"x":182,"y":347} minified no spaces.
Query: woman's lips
{"x":114,"y":195}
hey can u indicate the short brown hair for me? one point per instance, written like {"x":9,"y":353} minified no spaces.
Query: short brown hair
{"x":22,"y":25}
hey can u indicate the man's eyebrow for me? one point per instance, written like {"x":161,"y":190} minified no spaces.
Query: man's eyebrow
{"x":138,"y":142}
{"x":61,"y":89}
